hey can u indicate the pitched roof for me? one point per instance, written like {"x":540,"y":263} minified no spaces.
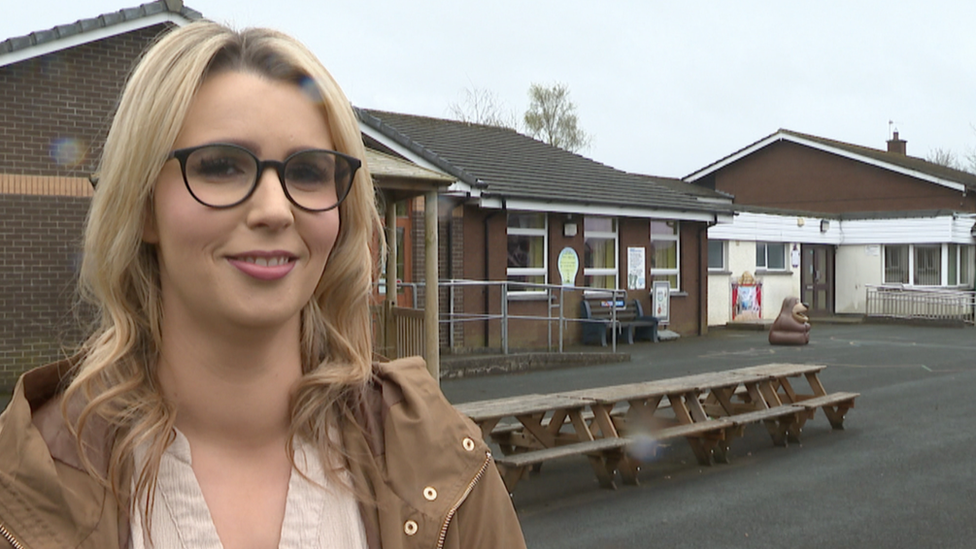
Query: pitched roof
{"x":897,"y":162}
{"x":107,"y":24}
{"x":502,"y":163}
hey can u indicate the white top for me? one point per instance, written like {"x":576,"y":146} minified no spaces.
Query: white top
{"x":316,"y":516}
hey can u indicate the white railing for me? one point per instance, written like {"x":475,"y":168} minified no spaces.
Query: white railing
{"x":557,"y":319}
{"x":921,"y":303}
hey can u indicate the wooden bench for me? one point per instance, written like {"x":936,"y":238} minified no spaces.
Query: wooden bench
{"x":631,"y":322}
{"x":604,"y":453}
{"x":835,"y":406}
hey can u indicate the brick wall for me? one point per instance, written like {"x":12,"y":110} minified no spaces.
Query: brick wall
{"x":57,"y":108}
{"x":54,"y":115}
{"x":40,"y":239}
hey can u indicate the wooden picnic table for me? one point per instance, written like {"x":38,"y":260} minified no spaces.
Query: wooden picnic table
{"x":540,"y":434}
{"x":707,"y":409}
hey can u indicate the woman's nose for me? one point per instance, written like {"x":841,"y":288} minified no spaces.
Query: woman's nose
{"x":269,"y":206}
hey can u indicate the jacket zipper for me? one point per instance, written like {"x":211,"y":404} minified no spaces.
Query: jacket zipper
{"x":464,"y":496}
{"x":7,"y":535}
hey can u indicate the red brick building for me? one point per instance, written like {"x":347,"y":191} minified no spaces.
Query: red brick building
{"x":519,"y":203}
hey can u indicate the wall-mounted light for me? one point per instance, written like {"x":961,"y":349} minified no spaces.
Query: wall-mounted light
{"x":824,"y":225}
{"x":569,"y":229}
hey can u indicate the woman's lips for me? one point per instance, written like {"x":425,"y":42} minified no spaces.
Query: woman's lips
{"x":264,"y":267}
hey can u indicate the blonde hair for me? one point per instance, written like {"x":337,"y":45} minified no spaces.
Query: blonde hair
{"x":116,"y":377}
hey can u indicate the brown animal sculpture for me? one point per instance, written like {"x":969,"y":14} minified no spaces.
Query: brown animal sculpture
{"x":791,"y":326}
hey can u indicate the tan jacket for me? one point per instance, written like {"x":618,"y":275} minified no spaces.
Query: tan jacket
{"x":431,"y":476}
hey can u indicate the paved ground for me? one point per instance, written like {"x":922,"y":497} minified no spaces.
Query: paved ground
{"x":900,"y":475}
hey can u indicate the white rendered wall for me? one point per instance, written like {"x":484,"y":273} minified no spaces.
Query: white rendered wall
{"x":741,"y":258}
{"x":719,"y":299}
{"x":854,"y":267}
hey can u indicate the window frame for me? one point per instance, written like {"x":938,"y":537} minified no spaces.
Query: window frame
{"x":765,"y":257}
{"x":724,"y":248}
{"x":666,"y":273}
{"x":542,"y":271}
{"x":612,"y":236}
{"x":953,"y":259}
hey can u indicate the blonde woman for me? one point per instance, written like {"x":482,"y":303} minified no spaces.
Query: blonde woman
{"x":227,"y":397}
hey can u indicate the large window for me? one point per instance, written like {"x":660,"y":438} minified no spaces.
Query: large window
{"x":896,"y":264}
{"x":929,"y":264}
{"x":600,"y":252}
{"x":716,"y":255}
{"x":665,"y":252}
{"x":527,"y":249}
{"x":771,"y":256}
{"x":960,"y":265}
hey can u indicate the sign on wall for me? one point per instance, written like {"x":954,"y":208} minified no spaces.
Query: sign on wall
{"x":661,"y":301}
{"x":568,"y":264}
{"x":635,"y":269}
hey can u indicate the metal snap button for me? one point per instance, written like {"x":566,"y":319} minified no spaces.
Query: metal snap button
{"x":468,"y":444}
{"x":410,"y":528}
{"x":430,"y":494}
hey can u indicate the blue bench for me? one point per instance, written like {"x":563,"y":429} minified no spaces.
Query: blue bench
{"x":631,"y":322}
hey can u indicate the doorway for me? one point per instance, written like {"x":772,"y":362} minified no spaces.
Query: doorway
{"x":817,"y":278}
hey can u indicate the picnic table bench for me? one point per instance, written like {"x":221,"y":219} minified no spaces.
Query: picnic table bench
{"x":708,"y":410}
{"x":602,"y":315}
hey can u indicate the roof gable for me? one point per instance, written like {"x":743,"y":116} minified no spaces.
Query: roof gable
{"x":20,"y":48}
{"x":906,"y":165}
{"x":502,"y":163}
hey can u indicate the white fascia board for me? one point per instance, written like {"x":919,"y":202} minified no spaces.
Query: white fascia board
{"x":605,"y":211}
{"x":915,"y":230}
{"x":733,"y":158}
{"x":826,"y":148}
{"x":91,"y":36}
{"x":962,"y":229}
{"x":759,"y":227}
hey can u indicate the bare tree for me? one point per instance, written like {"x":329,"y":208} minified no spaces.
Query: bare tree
{"x":481,"y":106}
{"x":943,"y":157}
{"x":551,"y":117}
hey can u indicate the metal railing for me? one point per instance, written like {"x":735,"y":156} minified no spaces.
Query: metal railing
{"x":921,"y":303}
{"x":507,"y":292}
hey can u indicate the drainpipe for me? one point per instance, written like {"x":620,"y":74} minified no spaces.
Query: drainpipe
{"x":703,"y":276}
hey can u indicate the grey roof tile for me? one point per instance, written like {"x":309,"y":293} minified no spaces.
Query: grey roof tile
{"x":105,"y":20}
{"x":507,"y":164}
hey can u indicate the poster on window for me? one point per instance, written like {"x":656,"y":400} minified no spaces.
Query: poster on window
{"x":636,"y":260}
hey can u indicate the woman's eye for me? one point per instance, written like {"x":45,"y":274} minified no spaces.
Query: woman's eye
{"x":307,"y":173}
{"x":219,"y":167}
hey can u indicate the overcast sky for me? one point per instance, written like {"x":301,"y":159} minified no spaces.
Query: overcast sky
{"x":664,"y":87}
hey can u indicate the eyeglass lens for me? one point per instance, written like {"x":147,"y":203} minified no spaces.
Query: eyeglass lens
{"x":223,"y":175}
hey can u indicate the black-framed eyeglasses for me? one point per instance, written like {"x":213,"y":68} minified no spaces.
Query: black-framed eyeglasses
{"x":223,"y":175}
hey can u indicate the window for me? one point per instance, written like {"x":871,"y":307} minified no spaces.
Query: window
{"x":960,"y":265}
{"x":896,"y":264}
{"x":771,"y":256}
{"x":716,"y":255}
{"x":600,"y":252}
{"x":966,"y":259}
{"x":527,"y":249}
{"x":665,"y":252}
{"x":929,"y":264}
